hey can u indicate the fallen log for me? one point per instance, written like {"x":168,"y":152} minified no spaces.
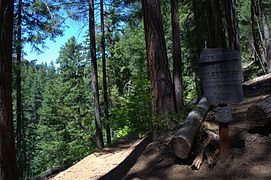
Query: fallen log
{"x":257,"y":80}
{"x":182,"y":142}
{"x":261,"y":111}
{"x":257,"y":86}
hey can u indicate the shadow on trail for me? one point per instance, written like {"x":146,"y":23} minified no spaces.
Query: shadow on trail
{"x":123,"y":168}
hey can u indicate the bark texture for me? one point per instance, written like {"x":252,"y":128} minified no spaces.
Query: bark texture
{"x":215,"y":25}
{"x":8,"y":169}
{"x":163,"y":99}
{"x":177,"y":60}
{"x":107,"y":125}
{"x":19,"y":106}
{"x":94,"y":75}
{"x":232,"y":24}
{"x":182,"y":142}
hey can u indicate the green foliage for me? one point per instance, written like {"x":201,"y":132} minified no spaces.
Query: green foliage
{"x":65,"y":128}
{"x":40,"y":20}
{"x":57,"y":102}
{"x":132,"y":112}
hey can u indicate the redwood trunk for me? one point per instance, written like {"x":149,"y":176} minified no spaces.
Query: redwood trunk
{"x":215,"y":25}
{"x":177,"y":60}
{"x":107,"y":125}
{"x":163,"y":101}
{"x":199,"y":25}
{"x":19,"y":109}
{"x":232,"y":24}
{"x":8,"y":169}
{"x":255,"y":33}
{"x":94,"y":75}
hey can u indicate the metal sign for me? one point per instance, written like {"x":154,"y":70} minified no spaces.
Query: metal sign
{"x":221,"y":76}
{"x":223,"y":114}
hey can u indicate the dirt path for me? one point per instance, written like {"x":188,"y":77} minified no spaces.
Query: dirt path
{"x":143,"y":159}
{"x":98,"y":164}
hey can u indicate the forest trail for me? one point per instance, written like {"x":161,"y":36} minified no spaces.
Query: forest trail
{"x":146,"y":159}
{"x":98,"y":164}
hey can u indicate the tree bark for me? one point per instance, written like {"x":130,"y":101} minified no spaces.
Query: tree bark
{"x":232,"y":24}
{"x":19,"y":106}
{"x":266,"y":34}
{"x":177,"y":59}
{"x":215,"y":25}
{"x":255,"y":33}
{"x":182,"y":142}
{"x":107,"y":125}
{"x":8,"y":169}
{"x":201,"y":36}
{"x":98,"y":125}
{"x":163,"y":99}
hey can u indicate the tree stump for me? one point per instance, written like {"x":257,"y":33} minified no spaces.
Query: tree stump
{"x":182,"y":142}
{"x":261,"y":111}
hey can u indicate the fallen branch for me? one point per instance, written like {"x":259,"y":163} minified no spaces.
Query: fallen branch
{"x":258,"y":80}
{"x":182,"y":142}
{"x":257,"y":86}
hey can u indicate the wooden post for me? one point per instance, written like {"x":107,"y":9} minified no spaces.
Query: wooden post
{"x":224,"y":116}
{"x":224,"y":148}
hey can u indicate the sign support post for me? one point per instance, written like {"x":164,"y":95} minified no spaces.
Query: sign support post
{"x":224,"y":138}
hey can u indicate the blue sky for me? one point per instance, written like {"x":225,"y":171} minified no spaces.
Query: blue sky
{"x":76,"y":29}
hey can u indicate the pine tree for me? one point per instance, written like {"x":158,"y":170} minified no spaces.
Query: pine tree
{"x":105,"y":95}
{"x":65,"y":126}
{"x":94,"y":75}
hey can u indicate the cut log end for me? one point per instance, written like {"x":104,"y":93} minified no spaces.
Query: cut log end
{"x":183,"y":140}
{"x":180,"y":147}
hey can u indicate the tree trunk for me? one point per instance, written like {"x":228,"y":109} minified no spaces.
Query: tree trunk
{"x":232,"y":24}
{"x":98,"y":125}
{"x":215,"y":25}
{"x":177,"y":60}
{"x":107,"y":126}
{"x":199,"y":24}
{"x":182,"y":142}
{"x":255,"y":33}
{"x":19,"y":109}
{"x":8,"y":169}
{"x":266,"y":34}
{"x":163,"y":101}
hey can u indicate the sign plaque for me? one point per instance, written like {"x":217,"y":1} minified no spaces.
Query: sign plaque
{"x":221,"y":76}
{"x":223,"y":114}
